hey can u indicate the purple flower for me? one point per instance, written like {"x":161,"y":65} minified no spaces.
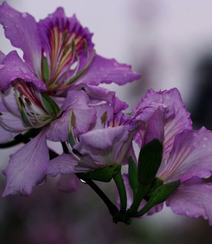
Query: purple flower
{"x":106,"y":144}
{"x":58,"y":54}
{"x":27,"y":167}
{"x":187,"y":157}
{"x":39,"y":92}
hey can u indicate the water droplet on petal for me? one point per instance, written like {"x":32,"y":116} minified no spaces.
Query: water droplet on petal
{"x":187,"y":212}
{"x":196,"y":144}
{"x":84,"y":182}
{"x":205,"y":138}
{"x":204,"y":145}
{"x":1,"y":66}
{"x":195,"y":134}
{"x":23,"y":70}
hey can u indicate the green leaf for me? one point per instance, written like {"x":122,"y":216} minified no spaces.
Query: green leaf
{"x":45,"y":68}
{"x":50,"y":105}
{"x":149,"y":161}
{"x":160,"y":195}
{"x":102,"y":174}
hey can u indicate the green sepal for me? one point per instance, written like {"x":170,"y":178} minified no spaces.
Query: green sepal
{"x":50,"y":105}
{"x":149,"y":161}
{"x":133,"y":172}
{"x":157,"y":182}
{"x":45,"y":67}
{"x":160,"y":195}
{"x":102,"y":174}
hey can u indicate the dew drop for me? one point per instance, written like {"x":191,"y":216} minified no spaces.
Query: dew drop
{"x":187,"y":212}
{"x":23,"y":70}
{"x":205,"y":138}
{"x":204,"y":145}
{"x":196,"y":144}
{"x":1,"y":66}
{"x":84,"y":182}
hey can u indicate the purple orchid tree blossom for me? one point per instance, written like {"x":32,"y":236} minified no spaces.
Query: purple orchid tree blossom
{"x":58,"y":57}
{"x":105,"y":144}
{"x":98,"y":153}
{"x":57,"y":51}
{"x":25,"y":162}
{"x":186,"y":157}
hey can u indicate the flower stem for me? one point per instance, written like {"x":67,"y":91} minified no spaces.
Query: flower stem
{"x":141,"y":193}
{"x":121,"y":189}
{"x":111,"y":207}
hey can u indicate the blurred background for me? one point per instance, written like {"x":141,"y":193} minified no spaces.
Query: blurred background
{"x":170,"y":44}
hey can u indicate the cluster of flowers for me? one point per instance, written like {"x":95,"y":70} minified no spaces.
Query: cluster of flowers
{"x":54,"y":94}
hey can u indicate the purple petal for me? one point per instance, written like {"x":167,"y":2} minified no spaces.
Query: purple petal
{"x":59,"y":128}
{"x":27,"y":167}
{"x":96,"y":93}
{"x":105,"y":146}
{"x":190,"y":156}
{"x":84,"y":115}
{"x":155,"y":129}
{"x":63,"y":164}
{"x":12,"y":67}
{"x":102,"y":70}
{"x":6,"y":135}
{"x":192,"y":198}
{"x":21,"y":30}
{"x":68,"y":183}
{"x":176,"y":118}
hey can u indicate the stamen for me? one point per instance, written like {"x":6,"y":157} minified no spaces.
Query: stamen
{"x":86,"y":46}
{"x":104,"y":118}
{"x":72,"y":125}
{"x":28,"y":101}
{"x":21,"y":102}
{"x":64,"y":37}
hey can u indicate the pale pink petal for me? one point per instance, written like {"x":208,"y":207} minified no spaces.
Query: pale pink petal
{"x":63,"y":164}
{"x":68,"y":183}
{"x":102,"y":70}
{"x":176,"y":118}
{"x":12,"y":67}
{"x":192,"y":198}
{"x":105,"y":145}
{"x":190,"y":156}
{"x":84,"y":117}
{"x":155,"y":128}
{"x":21,"y":30}
{"x":27,"y":167}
